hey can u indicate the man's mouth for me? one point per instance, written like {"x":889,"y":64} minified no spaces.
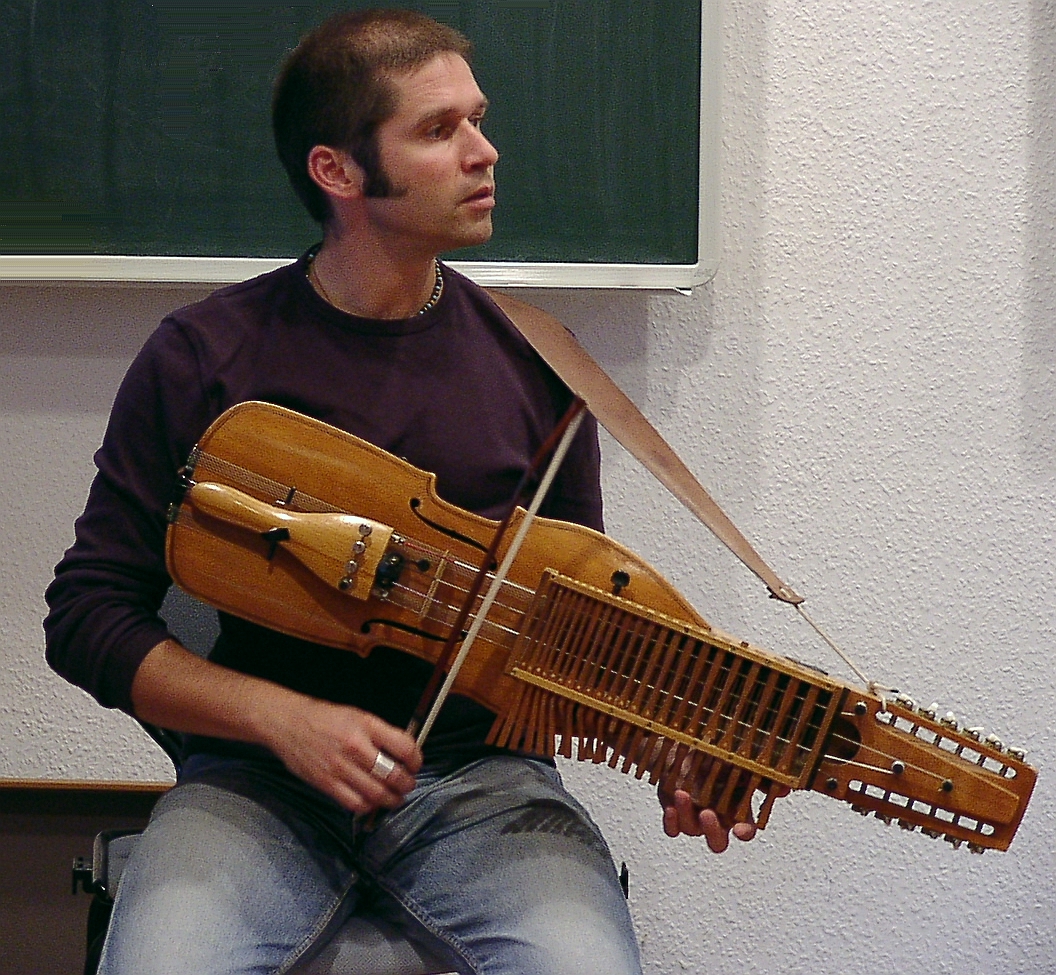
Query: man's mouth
{"x":484,"y":194}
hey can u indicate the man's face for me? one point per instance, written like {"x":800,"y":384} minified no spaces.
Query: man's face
{"x":436,"y":159}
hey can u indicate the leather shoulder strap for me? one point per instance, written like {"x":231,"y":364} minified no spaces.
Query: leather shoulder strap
{"x":615,"y":411}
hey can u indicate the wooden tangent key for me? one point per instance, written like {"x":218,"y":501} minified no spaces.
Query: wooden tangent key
{"x":303,"y":528}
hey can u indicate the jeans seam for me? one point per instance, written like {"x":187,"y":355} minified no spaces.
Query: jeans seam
{"x":321,"y":925}
{"x":421,"y":917}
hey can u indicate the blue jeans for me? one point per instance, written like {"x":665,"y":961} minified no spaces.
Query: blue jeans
{"x":246,"y":869}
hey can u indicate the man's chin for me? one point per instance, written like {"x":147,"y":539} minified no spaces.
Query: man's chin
{"x":472,"y":237}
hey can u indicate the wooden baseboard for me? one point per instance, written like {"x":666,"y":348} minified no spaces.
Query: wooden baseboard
{"x":79,"y":798}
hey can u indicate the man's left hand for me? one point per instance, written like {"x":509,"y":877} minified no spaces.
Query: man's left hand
{"x":683,"y":815}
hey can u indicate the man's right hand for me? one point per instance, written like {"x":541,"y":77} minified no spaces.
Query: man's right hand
{"x":336,"y":748}
{"x":333,"y":747}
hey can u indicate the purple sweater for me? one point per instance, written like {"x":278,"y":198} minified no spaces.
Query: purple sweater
{"x":456,"y":391}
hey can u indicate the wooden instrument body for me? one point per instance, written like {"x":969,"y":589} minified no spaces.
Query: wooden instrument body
{"x":229,"y":567}
{"x":289,"y":523}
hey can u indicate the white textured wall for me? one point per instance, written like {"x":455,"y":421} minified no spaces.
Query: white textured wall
{"x":868,"y":386}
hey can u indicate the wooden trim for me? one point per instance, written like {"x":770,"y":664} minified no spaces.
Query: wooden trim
{"x":52,"y":797}
{"x":79,"y":785}
{"x":59,"y":785}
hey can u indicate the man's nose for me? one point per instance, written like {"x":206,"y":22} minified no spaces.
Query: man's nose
{"x":481,"y":152}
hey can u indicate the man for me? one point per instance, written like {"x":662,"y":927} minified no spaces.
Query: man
{"x":260,"y":852}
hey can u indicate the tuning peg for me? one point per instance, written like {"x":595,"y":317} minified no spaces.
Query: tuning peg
{"x":883,"y":817}
{"x":950,"y":720}
{"x":907,"y":825}
{"x":976,"y":848}
{"x":976,"y":733}
{"x":954,"y":841}
{"x":907,"y":702}
{"x":1018,"y":753}
{"x":994,"y":742}
{"x":930,"y":712}
{"x":928,"y":831}
{"x":861,"y":810}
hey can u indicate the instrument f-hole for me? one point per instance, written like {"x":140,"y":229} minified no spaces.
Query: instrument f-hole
{"x":416,"y":505}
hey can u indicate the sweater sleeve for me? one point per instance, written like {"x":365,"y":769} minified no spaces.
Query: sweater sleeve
{"x":576,"y":492}
{"x":103,"y":603}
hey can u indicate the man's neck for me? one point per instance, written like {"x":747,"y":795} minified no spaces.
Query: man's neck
{"x":371,"y":282}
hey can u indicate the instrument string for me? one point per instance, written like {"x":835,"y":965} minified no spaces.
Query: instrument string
{"x":445,"y":613}
{"x":461,"y":590}
{"x":440,"y":598}
{"x":567,"y":429}
{"x":880,"y":690}
{"x":285,"y":495}
{"x":515,"y":599}
{"x":757,"y":734}
{"x":867,"y":758}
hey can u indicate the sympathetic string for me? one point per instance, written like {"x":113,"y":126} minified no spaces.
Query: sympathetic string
{"x":626,"y":640}
{"x":695,"y":694}
{"x":564,"y":655}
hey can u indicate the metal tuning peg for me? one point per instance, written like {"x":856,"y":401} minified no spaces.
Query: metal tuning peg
{"x":1018,"y":753}
{"x":360,"y":547}
{"x":906,"y":701}
{"x":976,"y":733}
{"x":954,"y":841}
{"x":994,"y":742}
{"x":906,"y":825}
{"x":352,"y":566}
{"x":933,"y":833}
{"x":950,"y":720}
{"x":930,"y":712}
{"x":976,"y":848}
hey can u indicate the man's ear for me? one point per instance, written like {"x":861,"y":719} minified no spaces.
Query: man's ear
{"x":335,"y":172}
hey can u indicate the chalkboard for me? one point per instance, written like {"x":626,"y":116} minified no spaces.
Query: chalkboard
{"x":142,"y":130}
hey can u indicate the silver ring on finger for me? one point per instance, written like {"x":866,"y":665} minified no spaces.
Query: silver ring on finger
{"x":383,"y":766}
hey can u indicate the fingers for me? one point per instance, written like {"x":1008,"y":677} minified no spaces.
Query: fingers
{"x":355,"y":757}
{"x":717,"y":835}
{"x":390,"y":774}
{"x":395,"y":742}
{"x":378,"y":767}
{"x":364,"y":786}
{"x":745,"y":831}
{"x":680,"y":816}
{"x":683,"y":816}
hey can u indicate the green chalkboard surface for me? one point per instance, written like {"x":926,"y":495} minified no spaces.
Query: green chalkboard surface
{"x":135,"y":128}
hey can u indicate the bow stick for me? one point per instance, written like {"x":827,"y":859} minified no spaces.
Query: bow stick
{"x":432,"y":699}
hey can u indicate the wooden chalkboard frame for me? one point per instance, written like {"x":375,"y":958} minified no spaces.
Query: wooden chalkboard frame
{"x":147,"y":270}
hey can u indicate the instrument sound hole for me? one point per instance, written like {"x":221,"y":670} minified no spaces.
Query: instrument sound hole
{"x":416,"y":504}
{"x":843,"y":741}
{"x":368,"y":625}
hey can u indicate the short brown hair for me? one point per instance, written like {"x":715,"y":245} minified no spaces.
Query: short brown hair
{"x":333,"y":90}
